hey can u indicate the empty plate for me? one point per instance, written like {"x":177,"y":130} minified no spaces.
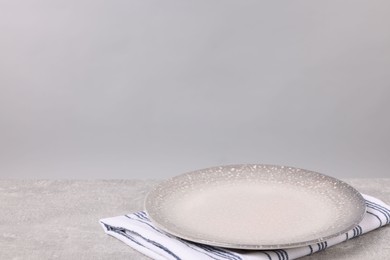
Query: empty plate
{"x":255,"y":206}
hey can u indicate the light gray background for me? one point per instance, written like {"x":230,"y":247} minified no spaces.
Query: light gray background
{"x":151,"y":89}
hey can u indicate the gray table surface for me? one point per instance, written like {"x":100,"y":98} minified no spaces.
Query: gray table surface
{"x":58,"y":219}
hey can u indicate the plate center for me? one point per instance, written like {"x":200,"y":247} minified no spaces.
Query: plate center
{"x":250,"y":212}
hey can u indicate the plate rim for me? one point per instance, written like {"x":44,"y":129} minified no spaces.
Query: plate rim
{"x":253,"y":246}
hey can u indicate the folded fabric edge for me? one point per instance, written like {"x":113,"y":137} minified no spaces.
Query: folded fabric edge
{"x":122,"y":236}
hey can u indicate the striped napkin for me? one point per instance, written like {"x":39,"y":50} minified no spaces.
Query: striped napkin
{"x":137,"y":231}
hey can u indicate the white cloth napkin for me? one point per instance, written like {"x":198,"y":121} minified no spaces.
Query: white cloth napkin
{"x":137,"y":231}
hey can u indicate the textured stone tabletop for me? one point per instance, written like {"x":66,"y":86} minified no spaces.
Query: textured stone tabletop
{"x":58,"y":219}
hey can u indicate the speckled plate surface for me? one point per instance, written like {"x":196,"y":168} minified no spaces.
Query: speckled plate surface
{"x":255,"y":206}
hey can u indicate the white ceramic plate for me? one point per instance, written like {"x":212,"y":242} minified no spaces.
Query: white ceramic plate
{"x":255,"y":206}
